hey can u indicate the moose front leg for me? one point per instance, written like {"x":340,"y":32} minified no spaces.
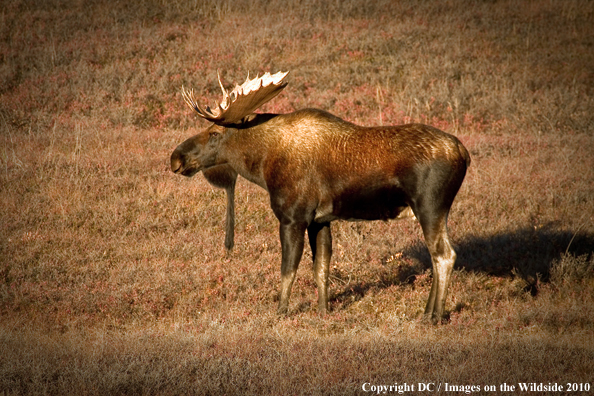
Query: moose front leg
{"x":292,"y":237}
{"x":320,"y":240}
{"x":230,"y":218}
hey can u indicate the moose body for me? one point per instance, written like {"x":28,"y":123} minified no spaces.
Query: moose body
{"x":318,"y":168}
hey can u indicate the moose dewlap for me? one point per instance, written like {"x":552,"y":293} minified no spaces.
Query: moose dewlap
{"x":318,"y":168}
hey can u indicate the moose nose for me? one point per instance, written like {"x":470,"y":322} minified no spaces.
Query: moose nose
{"x":176,"y":162}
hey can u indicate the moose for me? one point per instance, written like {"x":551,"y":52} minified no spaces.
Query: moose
{"x":318,"y":168}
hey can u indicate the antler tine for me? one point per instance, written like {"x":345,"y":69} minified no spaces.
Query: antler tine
{"x":189,"y":99}
{"x":225,"y":101}
{"x":242,"y":100}
{"x":254,"y":93}
{"x":193,"y":104}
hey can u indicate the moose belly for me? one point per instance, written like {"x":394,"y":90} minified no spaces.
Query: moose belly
{"x":363,"y":204}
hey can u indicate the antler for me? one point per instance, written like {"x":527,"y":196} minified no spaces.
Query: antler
{"x":242,"y":100}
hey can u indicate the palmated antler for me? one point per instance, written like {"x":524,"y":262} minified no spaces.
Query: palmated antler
{"x":242,"y":100}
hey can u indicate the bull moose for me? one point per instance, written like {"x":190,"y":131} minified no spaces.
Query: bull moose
{"x":318,"y":168}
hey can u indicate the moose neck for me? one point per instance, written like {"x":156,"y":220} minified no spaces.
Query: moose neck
{"x":247,"y":146}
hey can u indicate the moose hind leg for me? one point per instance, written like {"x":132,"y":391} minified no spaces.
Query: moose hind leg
{"x":443,"y":258}
{"x":292,"y":240}
{"x":320,"y":240}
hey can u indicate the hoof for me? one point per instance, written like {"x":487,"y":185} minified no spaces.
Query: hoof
{"x":429,"y":319}
{"x":282,"y":311}
{"x":436,"y":319}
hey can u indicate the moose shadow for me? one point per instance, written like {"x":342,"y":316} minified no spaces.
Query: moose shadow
{"x":526,"y":252}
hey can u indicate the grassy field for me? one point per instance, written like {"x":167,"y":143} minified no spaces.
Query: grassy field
{"x":113,"y":274}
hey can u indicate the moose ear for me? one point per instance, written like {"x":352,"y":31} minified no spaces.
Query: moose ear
{"x":249,"y":118}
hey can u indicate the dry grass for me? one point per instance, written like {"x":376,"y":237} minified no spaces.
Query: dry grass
{"x":113,"y":278}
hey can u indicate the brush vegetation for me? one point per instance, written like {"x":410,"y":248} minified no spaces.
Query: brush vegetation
{"x":113,"y":275}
